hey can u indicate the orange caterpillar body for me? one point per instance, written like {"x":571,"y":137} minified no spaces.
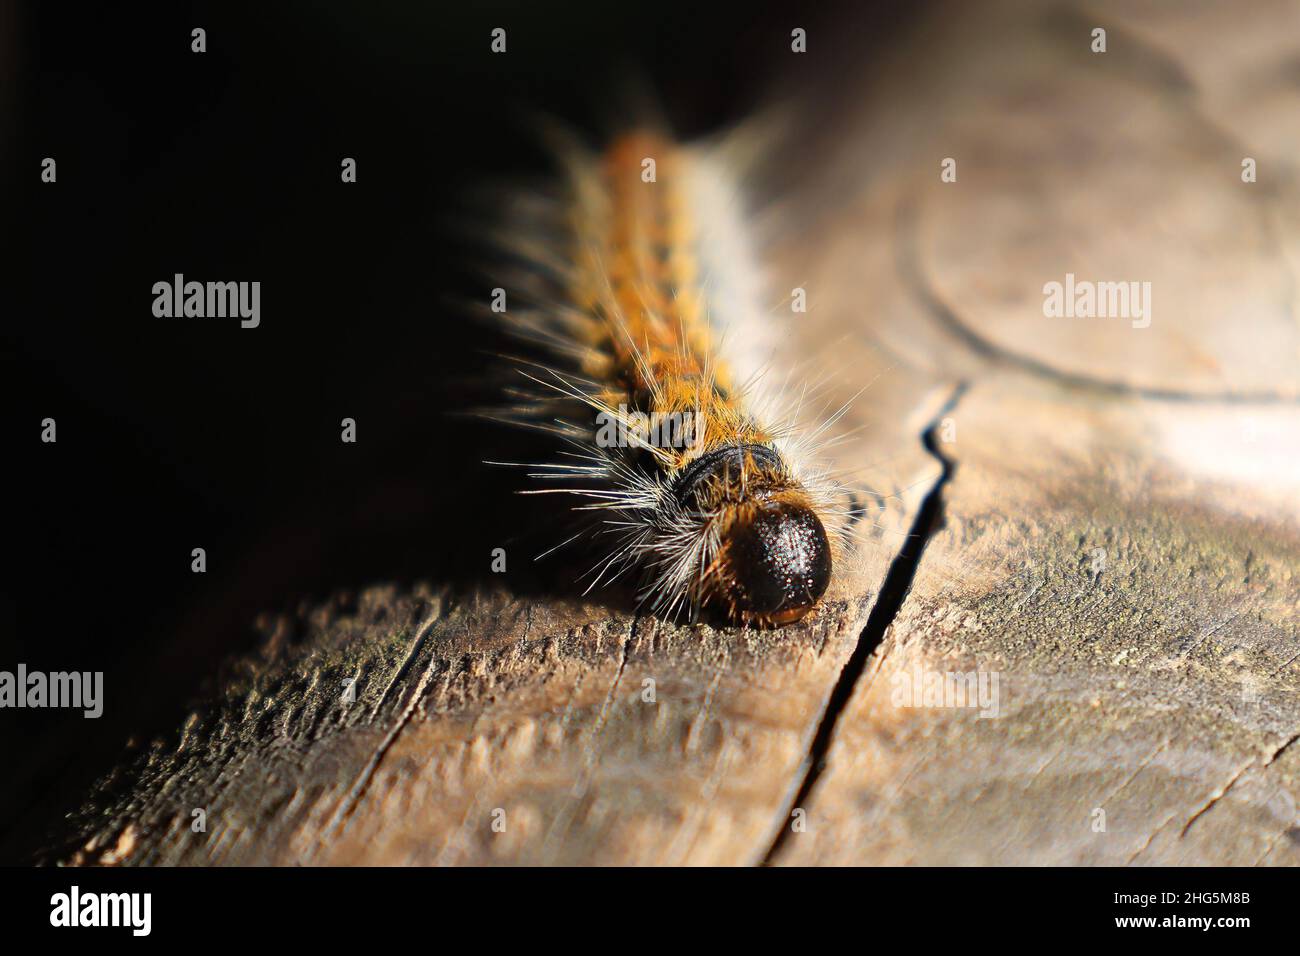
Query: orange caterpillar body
{"x":718,"y":515}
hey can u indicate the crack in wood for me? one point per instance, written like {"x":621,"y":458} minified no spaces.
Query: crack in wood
{"x":893,"y":592}
{"x":1223,"y":792}
{"x":359,"y":785}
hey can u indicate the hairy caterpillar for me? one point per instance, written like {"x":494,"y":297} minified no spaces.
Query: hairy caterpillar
{"x":643,"y":296}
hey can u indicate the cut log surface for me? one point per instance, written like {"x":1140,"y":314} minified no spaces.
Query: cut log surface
{"x":1094,"y":519}
{"x":1141,"y":628}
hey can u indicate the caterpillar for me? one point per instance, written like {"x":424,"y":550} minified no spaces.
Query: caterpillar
{"x":643,"y":296}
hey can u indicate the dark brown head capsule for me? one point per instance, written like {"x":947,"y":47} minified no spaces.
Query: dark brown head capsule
{"x":774,"y":560}
{"x":778,"y":562}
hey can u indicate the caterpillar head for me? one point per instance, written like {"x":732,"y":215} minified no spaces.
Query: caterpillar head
{"x":769,"y":558}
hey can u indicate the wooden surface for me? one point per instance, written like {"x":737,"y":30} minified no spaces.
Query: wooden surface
{"x":1117,"y":538}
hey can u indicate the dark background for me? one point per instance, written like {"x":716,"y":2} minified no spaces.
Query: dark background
{"x":182,"y":433}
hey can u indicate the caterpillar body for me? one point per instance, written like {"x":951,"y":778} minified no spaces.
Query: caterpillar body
{"x":645,"y":300}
